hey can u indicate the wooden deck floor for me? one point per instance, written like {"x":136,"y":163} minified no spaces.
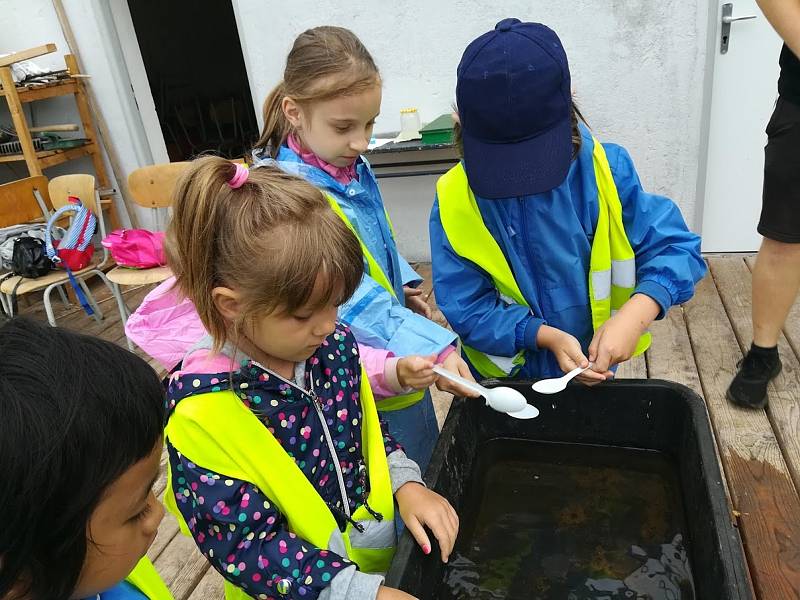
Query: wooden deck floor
{"x":697,"y":345}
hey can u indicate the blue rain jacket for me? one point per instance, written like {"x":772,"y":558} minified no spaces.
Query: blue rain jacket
{"x":377,"y":318}
{"x":547,"y":239}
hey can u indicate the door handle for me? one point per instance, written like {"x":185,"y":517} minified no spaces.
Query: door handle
{"x":727,"y":19}
{"x":730,"y":19}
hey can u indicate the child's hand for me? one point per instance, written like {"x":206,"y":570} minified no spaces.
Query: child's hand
{"x":615,"y":340}
{"x":568,"y":353}
{"x":420,"y":507}
{"x":416,"y":371}
{"x":415,"y":302}
{"x":455,"y":364}
{"x":387,"y":593}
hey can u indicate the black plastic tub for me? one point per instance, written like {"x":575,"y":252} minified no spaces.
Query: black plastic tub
{"x":649,"y":415}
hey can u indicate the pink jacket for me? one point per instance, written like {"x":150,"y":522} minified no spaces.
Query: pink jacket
{"x":166,"y":326}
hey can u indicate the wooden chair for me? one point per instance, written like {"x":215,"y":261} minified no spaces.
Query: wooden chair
{"x":150,"y":187}
{"x":24,"y":201}
{"x":60,"y":189}
{"x":21,"y":202}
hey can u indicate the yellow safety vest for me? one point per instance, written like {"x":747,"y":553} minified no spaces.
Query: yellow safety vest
{"x":374,"y":270}
{"x":612,"y":271}
{"x":218,"y":431}
{"x":146,"y":579}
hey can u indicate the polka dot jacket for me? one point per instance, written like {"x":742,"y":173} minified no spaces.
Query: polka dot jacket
{"x":234,"y":524}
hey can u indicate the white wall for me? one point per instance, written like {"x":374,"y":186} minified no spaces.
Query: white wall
{"x":637,"y":65}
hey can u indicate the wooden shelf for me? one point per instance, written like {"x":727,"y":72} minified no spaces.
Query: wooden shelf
{"x":49,"y":158}
{"x":31,"y":93}
{"x":70,"y":85}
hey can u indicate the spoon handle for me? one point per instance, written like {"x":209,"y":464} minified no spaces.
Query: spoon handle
{"x":470,"y":385}
{"x":575,"y":372}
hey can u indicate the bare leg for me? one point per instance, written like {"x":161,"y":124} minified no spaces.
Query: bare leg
{"x":776,"y":281}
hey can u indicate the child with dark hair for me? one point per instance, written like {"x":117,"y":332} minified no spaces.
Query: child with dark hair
{"x":81,"y":424}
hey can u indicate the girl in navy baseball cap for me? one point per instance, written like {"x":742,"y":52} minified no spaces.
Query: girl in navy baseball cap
{"x":547,"y":252}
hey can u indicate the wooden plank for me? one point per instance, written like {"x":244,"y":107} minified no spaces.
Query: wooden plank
{"x":210,"y":587}
{"x":635,"y":368}
{"x":56,"y":127}
{"x":51,"y":90}
{"x":20,"y":124}
{"x":189,"y":577}
{"x":61,"y":156}
{"x":670,"y":355}
{"x":26,"y":54}
{"x":181,"y":565}
{"x":734,"y":282}
{"x":88,"y":125}
{"x":758,"y":476}
{"x":49,"y":158}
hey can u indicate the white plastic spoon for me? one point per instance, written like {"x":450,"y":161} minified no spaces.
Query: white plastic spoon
{"x":558,"y":384}
{"x":501,"y":399}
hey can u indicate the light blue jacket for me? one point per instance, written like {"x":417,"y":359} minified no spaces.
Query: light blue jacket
{"x":377,"y":318}
{"x":547,"y":241}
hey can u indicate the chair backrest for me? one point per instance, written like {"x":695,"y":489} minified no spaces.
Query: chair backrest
{"x":152,"y":186}
{"x":82,"y":186}
{"x":18,"y":202}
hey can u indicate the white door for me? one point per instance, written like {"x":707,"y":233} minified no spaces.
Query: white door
{"x":743,"y":97}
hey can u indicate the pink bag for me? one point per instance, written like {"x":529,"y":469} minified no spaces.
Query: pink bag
{"x":165,"y":325}
{"x":136,"y":248}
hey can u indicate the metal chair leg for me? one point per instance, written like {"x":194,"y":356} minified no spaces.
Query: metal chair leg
{"x":48,"y":307}
{"x":98,"y":314}
{"x":124,"y":312}
{"x":63,"y":295}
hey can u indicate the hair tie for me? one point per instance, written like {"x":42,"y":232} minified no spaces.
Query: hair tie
{"x":239,"y":177}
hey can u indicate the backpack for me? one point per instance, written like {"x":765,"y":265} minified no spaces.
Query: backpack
{"x":136,"y":248}
{"x":29,"y":258}
{"x":74,"y":251}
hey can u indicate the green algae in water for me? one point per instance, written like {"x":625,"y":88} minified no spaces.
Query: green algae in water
{"x":570,"y":522}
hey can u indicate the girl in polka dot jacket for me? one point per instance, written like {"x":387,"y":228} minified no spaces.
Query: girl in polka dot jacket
{"x":270,"y":420}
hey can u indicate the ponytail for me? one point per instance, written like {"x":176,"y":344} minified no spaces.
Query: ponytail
{"x":276,"y":126}
{"x":197,"y":214}
{"x":269,"y":238}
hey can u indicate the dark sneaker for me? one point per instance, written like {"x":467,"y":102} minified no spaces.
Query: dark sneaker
{"x":756,"y":370}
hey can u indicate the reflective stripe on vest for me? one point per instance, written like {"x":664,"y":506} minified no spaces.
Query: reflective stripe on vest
{"x":374,"y":270}
{"x":216,"y":430}
{"x":612,"y":271}
{"x":146,"y":579}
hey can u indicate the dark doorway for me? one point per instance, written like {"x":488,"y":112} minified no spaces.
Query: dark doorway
{"x":194,"y":64}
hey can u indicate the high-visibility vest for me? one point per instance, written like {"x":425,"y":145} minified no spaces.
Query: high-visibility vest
{"x":146,"y":579}
{"x":612,"y":270}
{"x":218,"y":431}
{"x":374,"y":270}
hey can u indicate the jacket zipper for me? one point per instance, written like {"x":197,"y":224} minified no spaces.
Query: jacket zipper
{"x":331,"y":448}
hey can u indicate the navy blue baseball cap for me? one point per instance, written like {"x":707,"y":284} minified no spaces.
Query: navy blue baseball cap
{"x":515,"y":106}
